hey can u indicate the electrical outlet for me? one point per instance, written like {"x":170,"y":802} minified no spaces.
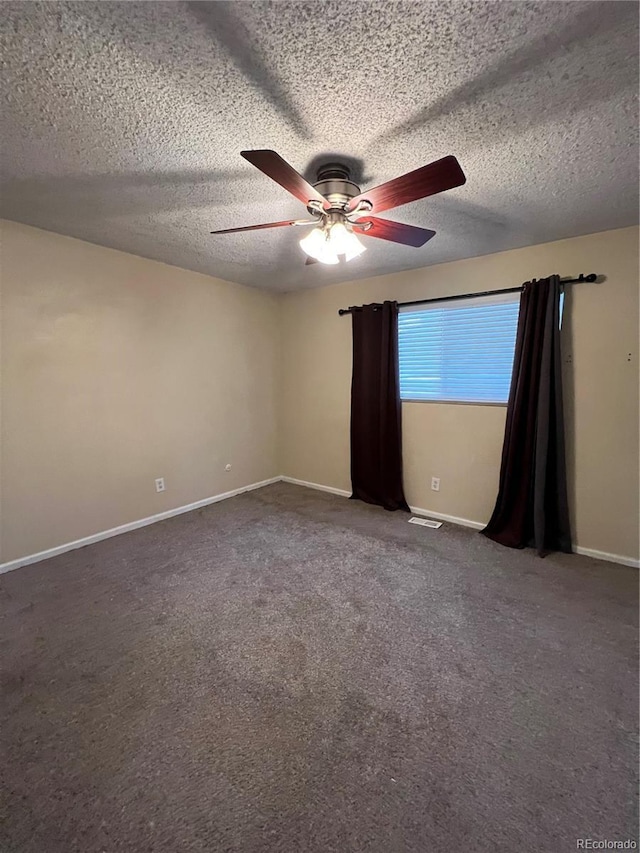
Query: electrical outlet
{"x":435,"y":484}
{"x":160,"y":484}
{"x":227,"y":467}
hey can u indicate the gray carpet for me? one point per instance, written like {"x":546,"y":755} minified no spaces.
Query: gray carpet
{"x":291,"y":671}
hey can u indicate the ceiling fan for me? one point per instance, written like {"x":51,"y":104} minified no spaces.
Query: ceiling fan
{"x":341,"y":211}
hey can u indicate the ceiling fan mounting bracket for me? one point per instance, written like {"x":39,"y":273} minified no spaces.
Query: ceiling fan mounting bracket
{"x":337,"y":171}
{"x":335,"y":184}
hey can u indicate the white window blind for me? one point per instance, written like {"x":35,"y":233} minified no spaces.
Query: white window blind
{"x":458,"y":351}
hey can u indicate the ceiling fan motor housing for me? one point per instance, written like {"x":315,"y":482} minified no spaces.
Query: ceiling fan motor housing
{"x":335,"y":185}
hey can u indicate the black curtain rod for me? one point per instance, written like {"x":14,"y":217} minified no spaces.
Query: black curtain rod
{"x":592,"y":276}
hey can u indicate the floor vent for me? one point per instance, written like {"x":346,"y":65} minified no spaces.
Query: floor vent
{"x":425,"y":522}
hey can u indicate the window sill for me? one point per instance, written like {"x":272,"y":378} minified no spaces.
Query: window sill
{"x":454,"y":402}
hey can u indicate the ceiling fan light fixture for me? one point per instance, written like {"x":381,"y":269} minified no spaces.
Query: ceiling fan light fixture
{"x":325,"y":245}
{"x":317,"y":246}
{"x":328,"y":258}
{"x":327,"y":255}
{"x":344,"y":242}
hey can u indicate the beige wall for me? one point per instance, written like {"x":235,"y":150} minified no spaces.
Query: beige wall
{"x":461,"y":444}
{"x":117,"y":370}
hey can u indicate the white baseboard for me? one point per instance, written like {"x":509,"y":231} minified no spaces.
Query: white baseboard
{"x":333,"y":491}
{"x":161,"y":516}
{"x":467,"y":522}
{"x":477,"y":525}
{"x":416,"y":510}
{"x":610,"y":558}
{"x":126,"y":528}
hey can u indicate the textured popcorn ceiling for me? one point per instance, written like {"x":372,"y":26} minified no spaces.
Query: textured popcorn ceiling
{"x":122,"y":123}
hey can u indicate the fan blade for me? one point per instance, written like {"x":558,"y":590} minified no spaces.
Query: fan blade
{"x":396,"y":232}
{"x":428,"y":180}
{"x":282,"y":173}
{"x":267,"y":225}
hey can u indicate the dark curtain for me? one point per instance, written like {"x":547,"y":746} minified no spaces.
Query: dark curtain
{"x":532,"y":507}
{"x":376,"y":429}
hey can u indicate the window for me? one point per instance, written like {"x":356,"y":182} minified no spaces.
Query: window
{"x":458,"y":351}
